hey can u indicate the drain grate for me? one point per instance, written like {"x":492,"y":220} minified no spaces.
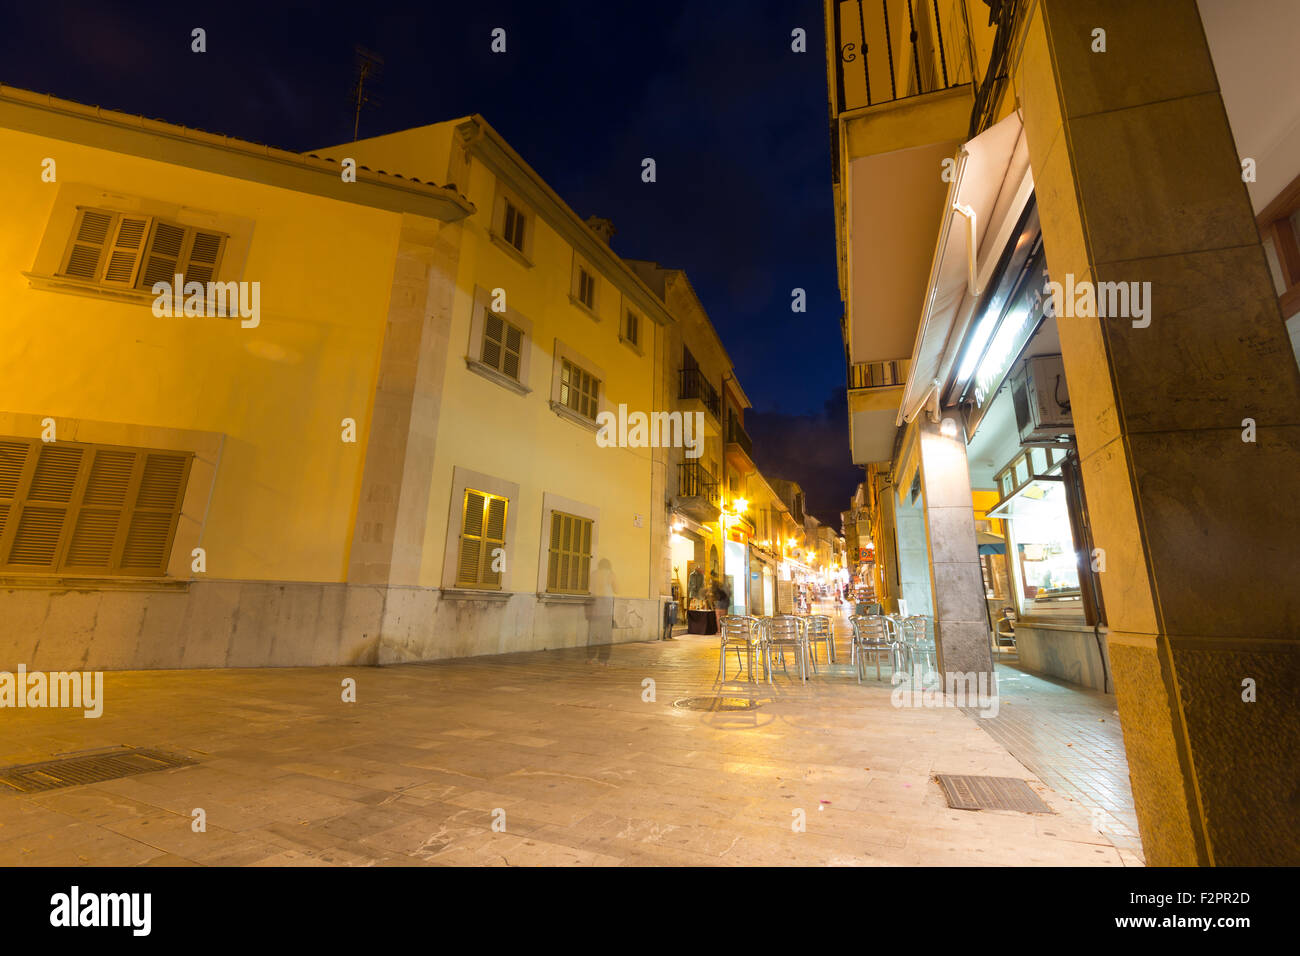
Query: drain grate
{"x":990,"y":793}
{"x":716,"y":703}
{"x":87,"y":768}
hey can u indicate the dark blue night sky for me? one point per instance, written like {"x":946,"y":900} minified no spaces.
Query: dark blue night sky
{"x":736,"y":121}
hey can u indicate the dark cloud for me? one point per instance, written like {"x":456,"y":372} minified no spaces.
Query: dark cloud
{"x":812,"y":449}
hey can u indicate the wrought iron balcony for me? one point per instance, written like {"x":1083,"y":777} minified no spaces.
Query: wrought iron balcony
{"x":693,"y":385}
{"x":892,"y":49}
{"x":694,"y":481}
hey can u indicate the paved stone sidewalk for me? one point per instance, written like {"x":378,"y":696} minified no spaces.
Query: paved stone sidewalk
{"x":1070,"y":738}
{"x":584,"y":770}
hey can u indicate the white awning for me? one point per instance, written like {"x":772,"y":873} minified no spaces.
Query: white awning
{"x":991,"y":186}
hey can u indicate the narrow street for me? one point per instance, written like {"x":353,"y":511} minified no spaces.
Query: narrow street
{"x":584,"y":769}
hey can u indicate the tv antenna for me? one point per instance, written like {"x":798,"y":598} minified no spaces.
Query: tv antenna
{"x":368,"y":66}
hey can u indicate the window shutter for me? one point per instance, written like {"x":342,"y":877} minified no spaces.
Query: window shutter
{"x":204,"y":257}
{"x":513,"y":351}
{"x":153,"y":518}
{"x":125,"y":251}
{"x":471,"y":539}
{"x":13,"y":458}
{"x":100,"y":516}
{"x":45,"y":508}
{"x":493,"y":334}
{"x":553,"y":566}
{"x":494,"y":536}
{"x":163,"y":258}
{"x":90,"y":235}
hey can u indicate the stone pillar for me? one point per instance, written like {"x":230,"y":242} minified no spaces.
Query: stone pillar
{"x":1138,"y":180}
{"x":388,"y":537}
{"x":961,"y":627}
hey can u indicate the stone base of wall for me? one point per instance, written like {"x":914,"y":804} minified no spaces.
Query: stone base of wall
{"x":1068,"y":652}
{"x":290,"y":624}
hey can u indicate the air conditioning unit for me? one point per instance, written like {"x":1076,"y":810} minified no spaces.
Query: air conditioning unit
{"x":1042,"y":400}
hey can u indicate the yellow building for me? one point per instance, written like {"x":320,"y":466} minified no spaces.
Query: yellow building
{"x":548,"y":330}
{"x":379,"y":443}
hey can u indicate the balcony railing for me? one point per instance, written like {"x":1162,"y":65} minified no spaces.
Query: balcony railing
{"x":694,"y":481}
{"x":695,"y":385}
{"x":875,"y":374}
{"x":892,"y":49}
{"x":737,"y":434}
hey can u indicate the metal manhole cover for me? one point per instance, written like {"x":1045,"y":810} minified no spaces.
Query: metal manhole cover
{"x":716,"y":703}
{"x":990,"y":793}
{"x":87,"y":768}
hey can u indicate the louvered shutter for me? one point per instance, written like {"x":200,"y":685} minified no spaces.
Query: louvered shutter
{"x":90,"y":235}
{"x":204,"y":257}
{"x":163,"y":259}
{"x":102,"y":505}
{"x":584,"y":556}
{"x":510,"y":358}
{"x":125,"y":250}
{"x":471,"y":539}
{"x":153,"y":518}
{"x":13,"y":459}
{"x":493,"y":336}
{"x":40,"y":521}
{"x":553,"y":565}
{"x":494,"y":536}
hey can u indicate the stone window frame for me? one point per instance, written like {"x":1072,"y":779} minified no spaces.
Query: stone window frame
{"x":474,"y":350}
{"x":580,"y":509}
{"x":463,"y":478}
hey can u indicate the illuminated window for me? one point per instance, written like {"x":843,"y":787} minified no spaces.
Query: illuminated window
{"x":482,"y":540}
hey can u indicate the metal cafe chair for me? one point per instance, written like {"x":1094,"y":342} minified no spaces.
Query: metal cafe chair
{"x":738,"y":631}
{"x":821,"y":631}
{"x":919,"y":640}
{"x":897,"y":637}
{"x":781,"y":632}
{"x":871,"y":637}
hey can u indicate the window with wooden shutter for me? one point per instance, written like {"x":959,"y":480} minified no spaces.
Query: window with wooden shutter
{"x":76,"y":508}
{"x":483,"y":532}
{"x":128,"y":251}
{"x":568,"y":570}
{"x":632,"y":331}
{"x":579,"y":390}
{"x":502,"y":345}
